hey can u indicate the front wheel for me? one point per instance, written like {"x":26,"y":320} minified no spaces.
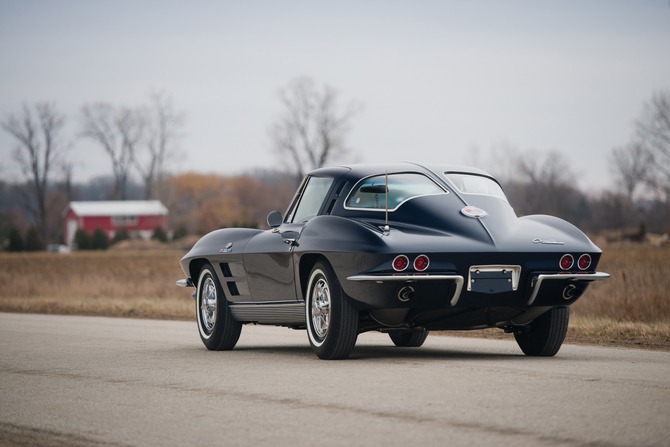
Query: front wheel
{"x":219,"y":330}
{"x":332,"y":320}
{"x":408,"y":339}
{"x":544,"y":335}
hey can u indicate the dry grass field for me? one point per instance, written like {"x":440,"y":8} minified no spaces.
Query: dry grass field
{"x":108,"y":283}
{"x":631,"y":308}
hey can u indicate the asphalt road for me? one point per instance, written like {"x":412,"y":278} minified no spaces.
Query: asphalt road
{"x":82,"y":381}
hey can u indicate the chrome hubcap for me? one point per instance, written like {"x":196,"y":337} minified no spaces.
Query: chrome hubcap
{"x":321,"y":308}
{"x":208,"y":304}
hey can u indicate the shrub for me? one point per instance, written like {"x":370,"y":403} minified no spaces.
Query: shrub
{"x":33,"y":240}
{"x":121,"y":235}
{"x":81,"y":240}
{"x":15,"y":240}
{"x":99,"y":240}
{"x":180,"y":232}
{"x":159,"y":234}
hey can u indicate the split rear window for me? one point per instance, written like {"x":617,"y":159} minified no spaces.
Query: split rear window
{"x":371,"y":192}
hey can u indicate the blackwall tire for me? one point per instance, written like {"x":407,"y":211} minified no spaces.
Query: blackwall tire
{"x":332,"y":320}
{"x":408,"y":339}
{"x":218,"y":329}
{"x":545,"y":334}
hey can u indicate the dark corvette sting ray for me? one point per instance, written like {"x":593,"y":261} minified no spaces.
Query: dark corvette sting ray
{"x":398,"y":248}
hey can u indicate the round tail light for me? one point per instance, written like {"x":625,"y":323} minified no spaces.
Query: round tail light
{"x":566,"y":262}
{"x":584,"y":262}
{"x":421,"y":263}
{"x":400,"y":263}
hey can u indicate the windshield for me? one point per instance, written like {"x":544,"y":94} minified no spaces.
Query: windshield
{"x":371,"y":192}
{"x":476,"y":184}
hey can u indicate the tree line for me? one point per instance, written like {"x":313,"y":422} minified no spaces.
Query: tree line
{"x":311,"y":132}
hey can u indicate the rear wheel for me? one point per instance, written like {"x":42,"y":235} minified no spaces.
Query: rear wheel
{"x":408,"y":339}
{"x":219,"y":330}
{"x":332,"y":320}
{"x":544,"y":336}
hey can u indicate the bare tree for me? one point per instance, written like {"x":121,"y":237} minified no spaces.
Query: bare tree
{"x":501,"y":160}
{"x":66,"y":168}
{"x":39,"y":150}
{"x":654,"y":130}
{"x":549,"y":168}
{"x":313,"y":127}
{"x":163,"y":125}
{"x":630,"y":165}
{"x":119,"y":132}
{"x":545,"y":184}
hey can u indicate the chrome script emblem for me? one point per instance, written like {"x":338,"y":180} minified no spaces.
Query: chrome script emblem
{"x":537,"y":240}
{"x":473,"y":211}
{"x":228,"y":249}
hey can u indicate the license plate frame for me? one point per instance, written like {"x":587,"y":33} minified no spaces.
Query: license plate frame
{"x":493,"y":278}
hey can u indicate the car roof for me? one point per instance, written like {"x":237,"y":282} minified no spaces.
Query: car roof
{"x":364,"y":170}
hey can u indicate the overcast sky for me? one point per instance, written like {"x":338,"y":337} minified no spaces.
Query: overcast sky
{"x":435,"y":78}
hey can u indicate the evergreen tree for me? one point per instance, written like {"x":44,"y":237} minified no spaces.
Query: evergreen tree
{"x":159,"y":234}
{"x":15,"y":240}
{"x":99,"y":240}
{"x":121,"y":235}
{"x":81,"y":240}
{"x":180,"y":232}
{"x":33,"y":240}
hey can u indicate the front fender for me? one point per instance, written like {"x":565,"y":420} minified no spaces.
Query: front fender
{"x":215,"y":243}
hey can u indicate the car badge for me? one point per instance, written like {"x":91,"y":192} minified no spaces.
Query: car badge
{"x":537,"y":240}
{"x":228,"y":249}
{"x":473,"y":211}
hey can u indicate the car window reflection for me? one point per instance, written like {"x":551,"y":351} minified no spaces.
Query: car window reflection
{"x":312,"y":198}
{"x":476,"y":184}
{"x":371,"y":193}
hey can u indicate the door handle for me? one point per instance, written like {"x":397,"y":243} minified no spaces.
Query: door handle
{"x":291,"y":242}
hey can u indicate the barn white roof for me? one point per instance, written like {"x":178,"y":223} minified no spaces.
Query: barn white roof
{"x":119,"y":208}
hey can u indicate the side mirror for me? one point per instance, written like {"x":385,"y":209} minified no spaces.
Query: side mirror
{"x":275,"y":219}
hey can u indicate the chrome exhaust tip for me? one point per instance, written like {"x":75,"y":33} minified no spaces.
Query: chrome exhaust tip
{"x":406,"y":293}
{"x":571,"y":292}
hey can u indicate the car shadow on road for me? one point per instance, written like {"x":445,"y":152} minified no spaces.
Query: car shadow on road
{"x":372,"y":352}
{"x":425,"y":353}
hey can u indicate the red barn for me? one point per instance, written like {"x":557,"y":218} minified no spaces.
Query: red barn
{"x":140,"y":217}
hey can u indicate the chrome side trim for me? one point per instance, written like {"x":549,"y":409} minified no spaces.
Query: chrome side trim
{"x":573,"y":277}
{"x":185,"y":282}
{"x":286,"y":313}
{"x":380,"y":279}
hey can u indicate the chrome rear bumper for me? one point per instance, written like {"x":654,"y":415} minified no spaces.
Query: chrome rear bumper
{"x":380,"y":279}
{"x":572,"y":277}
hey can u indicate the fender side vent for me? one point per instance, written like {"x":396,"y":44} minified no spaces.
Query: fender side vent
{"x":232,"y":288}
{"x":226,"y":270}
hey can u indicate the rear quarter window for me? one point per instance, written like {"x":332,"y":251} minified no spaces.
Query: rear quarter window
{"x":476,"y":184}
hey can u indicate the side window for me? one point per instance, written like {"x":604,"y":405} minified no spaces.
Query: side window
{"x":371,"y":193}
{"x":312,"y":198}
